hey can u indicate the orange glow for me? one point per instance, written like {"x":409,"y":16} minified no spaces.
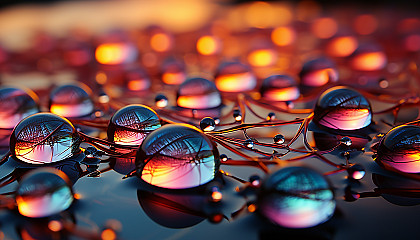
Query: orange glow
{"x":216,"y":196}
{"x":319,"y":77}
{"x":342,"y":46}
{"x":72,"y":110}
{"x":369,"y":61}
{"x":200,"y":102}
{"x":252,"y":208}
{"x":259,"y":14}
{"x":77,"y":196}
{"x":324,"y":27}
{"x":208,"y":45}
{"x":101,"y":78}
{"x":173,"y":78}
{"x":262,"y":58}
{"x":236,"y":82}
{"x":412,"y":43}
{"x":284,"y":94}
{"x":365,"y":24}
{"x":160,"y":42}
{"x":108,"y":234}
{"x":55,"y":225}
{"x":114,"y":53}
{"x":138,"y":85}
{"x":283,"y":36}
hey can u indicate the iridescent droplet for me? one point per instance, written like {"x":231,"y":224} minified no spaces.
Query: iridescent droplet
{"x":249,"y":143}
{"x":235,"y":77}
{"x":207,"y":124}
{"x":131,"y":124}
{"x":237,"y":115}
{"x":296,"y":197}
{"x":136,"y":79}
{"x":161,"y":101}
{"x":279,"y":139}
{"x":173,"y":71}
{"x":15,"y":105}
{"x":43,"y":192}
{"x":45,"y":138}
{"x":279,"y":88}
{"x":255,"y":180}
{"x":318,"y":72}
{"x":356,"y":172}
{"x":343,"y":108}
{"x":198,"y":93}
{"x":369,"y":57}
{"x":177,"y":156}
{"x":346,"y":141}
{"x":400,"y":149}
{"x":271,"y":116}
{"x":71,"y":101}
{"x":223,"y":157}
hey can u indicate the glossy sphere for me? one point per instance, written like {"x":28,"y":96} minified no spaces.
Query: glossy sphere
{"x":43,"y":192}
{"x":235,"y":77}
{"x":15,"y":105}
{"x":356,"y":172}
{"x":279,"y":88}
{"x":346,"y":141}
{"x":131,"y":124}
{"x":71,"y":101}
{"x":369,"y":57}
{"x":400,"y":149}
{"x":198,"y":93}
{"x":44,"y":138}
{"x":279,"y":139}
{"x":161,"y":101}
{"x":207,"y":124}
{"x":296,"y":197}
{"x":343,"y":108}
{"x":177,"y":156}
{"x":318,"y":72}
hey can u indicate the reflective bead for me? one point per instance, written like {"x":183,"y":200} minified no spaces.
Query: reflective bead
{"x":198,"y":93}
{"x":71,"y":101}
{"x":207,"y":124}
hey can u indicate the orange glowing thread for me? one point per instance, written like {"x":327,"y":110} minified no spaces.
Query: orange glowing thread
{"x":55,"y":225}
{"x":110,"y":53}
{"x":252,"y":208}
{"x":283,"y":36}
{"x":365,"y":24}
{"x":262,"y":58}
{"x":324,"y":27}
{"x":342,"y":46}
{"x":108,"y":234}
{"x":208,"y":45}
{"x":369,"y":61}
{"x":160,"y":42}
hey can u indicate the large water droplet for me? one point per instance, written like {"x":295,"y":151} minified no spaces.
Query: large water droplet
{"x":235,"y":77}
{"x":198,"y":93}
{"x":71,"y":101}
{"x":280,"y":88}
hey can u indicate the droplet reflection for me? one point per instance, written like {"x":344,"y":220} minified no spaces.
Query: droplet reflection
{"x":43,"y":192}
{"x":296,"y":197}
{"x":177,"y":156}
{"x":71,"y":101}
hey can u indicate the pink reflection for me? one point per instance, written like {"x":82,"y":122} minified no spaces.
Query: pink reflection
{"x":408,"y":163}
{"x":346,"y":119}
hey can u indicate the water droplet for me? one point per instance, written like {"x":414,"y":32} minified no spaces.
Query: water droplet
{"x":15,"y":105}
{"x":223,"y":157}
{"x":235,"y":77}
{"x":399,"y":149}
{"x":173,"y":71}
{"x":318,"y":72}
{"x":237,"y":115}
{"x":271,"y":116}
{"x":177,"y":156}
{"x":131,"y":124}
{"x":198,"y":93}
{"x":279,"y":139}
{"x":368,"y":57}
{"x":343,"y":108}
{"x":71,"y":101}
{"x":207,"y":124}
{"x":161,"y":101}
{"x":136,"y":79}
{"x":43,"y":192}
{"x":279,"y":88}
{"x":296,"y":197}
{"x":346,"y":141}
{"x":255,"y":180}
{"x":249,"y":143}
{"x":45,"y":138}
{"x":356,"y":172}
{"x":216,"y":120}
{"x":350,"y":195}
